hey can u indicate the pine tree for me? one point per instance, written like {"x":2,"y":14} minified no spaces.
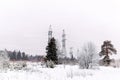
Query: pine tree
{"x":19,"y":56}
{"x":106,"y":49}
{"x":26,"y":57}
{"x":14,"y":56}
{"x":52,"y":51}
{"x":23,"y":56}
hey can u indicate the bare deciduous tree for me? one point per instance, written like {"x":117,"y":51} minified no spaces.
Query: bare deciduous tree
{"x":88,"y":57}
{"x":4,"y":60}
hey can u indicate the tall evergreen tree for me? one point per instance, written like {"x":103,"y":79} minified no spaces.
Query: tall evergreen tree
{"x":23,"y":56}
{"x":19,"y":56}
{"x":26,"y":57}
{"x":106,"y":49}
{"x":52,"y":51}
{"x":14,"y":55}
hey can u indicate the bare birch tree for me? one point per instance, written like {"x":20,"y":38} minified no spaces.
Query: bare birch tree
{"x":88,"y":57}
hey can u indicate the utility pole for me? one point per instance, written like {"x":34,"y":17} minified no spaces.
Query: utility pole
{"x":64,"y":43}
{"x":50,"y":33}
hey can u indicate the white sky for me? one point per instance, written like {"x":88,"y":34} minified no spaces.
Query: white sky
{"x":24,"y":23}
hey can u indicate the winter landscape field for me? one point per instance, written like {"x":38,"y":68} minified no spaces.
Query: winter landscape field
{"x":59,"y":39}
{"x":35,"y":71}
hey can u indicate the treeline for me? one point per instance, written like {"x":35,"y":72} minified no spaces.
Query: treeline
{"x":17,"y":55}
{"x":22,"y":56}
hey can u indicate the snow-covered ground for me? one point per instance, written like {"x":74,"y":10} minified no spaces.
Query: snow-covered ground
{"x":35,"y":71}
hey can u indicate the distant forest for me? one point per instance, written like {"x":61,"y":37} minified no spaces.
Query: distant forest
{"x":22,"y":56}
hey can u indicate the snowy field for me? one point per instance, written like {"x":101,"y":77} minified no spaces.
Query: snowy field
{"x":35,"y":71}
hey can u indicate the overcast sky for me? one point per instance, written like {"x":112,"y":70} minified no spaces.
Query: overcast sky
{"x":24,"y":23}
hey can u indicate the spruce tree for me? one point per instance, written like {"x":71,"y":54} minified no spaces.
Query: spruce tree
{"x":52,"y":51}
{"x":23,"y":56}
{"x":26,"y":57}
{"x":19,"y":56}
{"x":14,"y":56}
